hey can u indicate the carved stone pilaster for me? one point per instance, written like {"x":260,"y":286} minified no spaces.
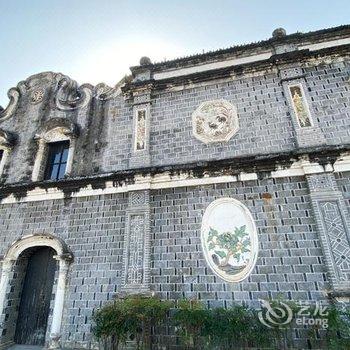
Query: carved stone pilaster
{"x":140,"y":151}
{"x":137,"y":244}
{"x":333,"y":225}
{"x":307,"y":131}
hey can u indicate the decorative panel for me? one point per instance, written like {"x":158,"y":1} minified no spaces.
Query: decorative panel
{"x":229,"y":239}
{"x":337,"y":238}
{"x":215,"y":121}
{"x":140,"y":138}
{"x":332,"y":221}
{"x":300,"y":105}
{"x":136,"y":248}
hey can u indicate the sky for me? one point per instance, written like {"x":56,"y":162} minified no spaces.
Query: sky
{"x":96,"y":41}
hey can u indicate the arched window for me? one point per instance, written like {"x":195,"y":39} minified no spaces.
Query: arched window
{"x":56,"y":144}
{"x":229,"y":239}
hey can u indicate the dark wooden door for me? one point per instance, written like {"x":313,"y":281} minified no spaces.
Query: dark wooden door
{"x":35,"y":300}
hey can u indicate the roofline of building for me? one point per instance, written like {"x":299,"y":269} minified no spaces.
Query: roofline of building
{"x":287,"y":39}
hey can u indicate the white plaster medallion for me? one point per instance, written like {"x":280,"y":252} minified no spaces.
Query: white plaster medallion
{"x":37,"y":96}
{"x":229,"y":239}
{"x":215,"y":121}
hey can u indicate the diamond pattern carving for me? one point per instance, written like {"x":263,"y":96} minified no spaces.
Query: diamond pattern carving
{"x":337,"y":237}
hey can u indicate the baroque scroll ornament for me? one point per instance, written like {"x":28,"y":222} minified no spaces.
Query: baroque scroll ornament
{"x":215,"y":121}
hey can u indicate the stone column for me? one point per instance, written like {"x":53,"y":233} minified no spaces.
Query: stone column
{"x":39,"y":160}
{"x":55,"y":333}
{"x":333,"y":224}
{"x":137,"y":244}
{"x":5,"y":277}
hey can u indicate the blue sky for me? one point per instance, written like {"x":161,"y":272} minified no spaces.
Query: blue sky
{"x":97,"y":40}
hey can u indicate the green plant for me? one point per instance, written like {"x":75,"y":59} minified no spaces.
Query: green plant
{"x":190,"y":320}
{"x":111,"y":325}
{"x":133,"y":316}
{"x":229,"y":244}
{"x":338,"y":331}
{"x":220,"y":328}
{"x":145,"y":313}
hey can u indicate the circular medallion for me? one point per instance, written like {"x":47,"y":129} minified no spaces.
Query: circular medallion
{"x":37,"y":96}
{"x":229,"y":239}
{"x":215,"y":121}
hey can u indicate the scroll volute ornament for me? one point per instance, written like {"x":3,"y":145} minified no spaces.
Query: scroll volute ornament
{"x":215,"y":121}
{"x":70,"y":96}
{"x":7,"y":113}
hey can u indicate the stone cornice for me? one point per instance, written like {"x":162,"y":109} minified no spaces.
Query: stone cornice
{"x":294,"y":163}
{"x":239,"y":70}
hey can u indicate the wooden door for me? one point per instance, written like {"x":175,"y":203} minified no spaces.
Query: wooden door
{"x":35,"y":299}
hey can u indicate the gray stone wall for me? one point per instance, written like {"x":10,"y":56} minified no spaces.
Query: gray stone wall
{"x":105,"y":137}
{"x":289,"y":264}
{"x":93,"y":228}
{"x":290,"y":260}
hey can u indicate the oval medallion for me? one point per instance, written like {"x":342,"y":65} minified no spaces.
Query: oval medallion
{"x":229,"y":239}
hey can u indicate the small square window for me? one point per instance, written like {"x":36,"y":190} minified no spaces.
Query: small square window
{"x":56,"y":160}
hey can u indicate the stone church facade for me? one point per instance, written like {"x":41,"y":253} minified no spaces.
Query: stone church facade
{"x":135,"y":188}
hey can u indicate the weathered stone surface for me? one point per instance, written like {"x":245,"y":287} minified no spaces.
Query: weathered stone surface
{"x":132,"y":216}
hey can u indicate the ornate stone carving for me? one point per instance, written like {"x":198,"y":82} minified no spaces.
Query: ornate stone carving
{"x":136,"y":267}
{"x":37,"y":96}
{"x":137,"y":198}
{"x":70,"y":96}
{"x":300,"y":106}
{"x":140,"y":136}
{"x":320,"y":182}
{"x":337,"y":237}
{"x":215,"y":121}
{"x":8,"y":112}
{"x":135,"y":256}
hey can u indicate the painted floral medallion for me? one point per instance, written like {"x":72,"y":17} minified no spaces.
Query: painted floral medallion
{"x":229,"y":239}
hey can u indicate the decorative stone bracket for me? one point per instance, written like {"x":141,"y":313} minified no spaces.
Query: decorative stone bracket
{"x":137,"y":244}
{"x":333,"y":225}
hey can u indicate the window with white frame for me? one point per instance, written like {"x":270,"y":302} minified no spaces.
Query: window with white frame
{"x":55,"y":154}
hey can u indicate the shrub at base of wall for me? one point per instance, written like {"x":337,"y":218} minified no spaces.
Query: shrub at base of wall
{"x":149,"y":323}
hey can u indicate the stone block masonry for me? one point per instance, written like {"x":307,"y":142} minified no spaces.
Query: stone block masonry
{"x":223,"y":177}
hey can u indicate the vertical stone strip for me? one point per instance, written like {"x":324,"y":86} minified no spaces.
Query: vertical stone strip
{"x":137,"y":244}
{"x":140,"y":147}
{"x":333,"y":226}
{"x":307,"y":131}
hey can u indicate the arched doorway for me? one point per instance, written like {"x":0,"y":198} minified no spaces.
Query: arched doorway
{"x":35,"y":296}
{"x":23,"y":270}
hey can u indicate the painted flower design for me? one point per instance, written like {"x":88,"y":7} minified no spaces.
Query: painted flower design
{"x":230,"y":250}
